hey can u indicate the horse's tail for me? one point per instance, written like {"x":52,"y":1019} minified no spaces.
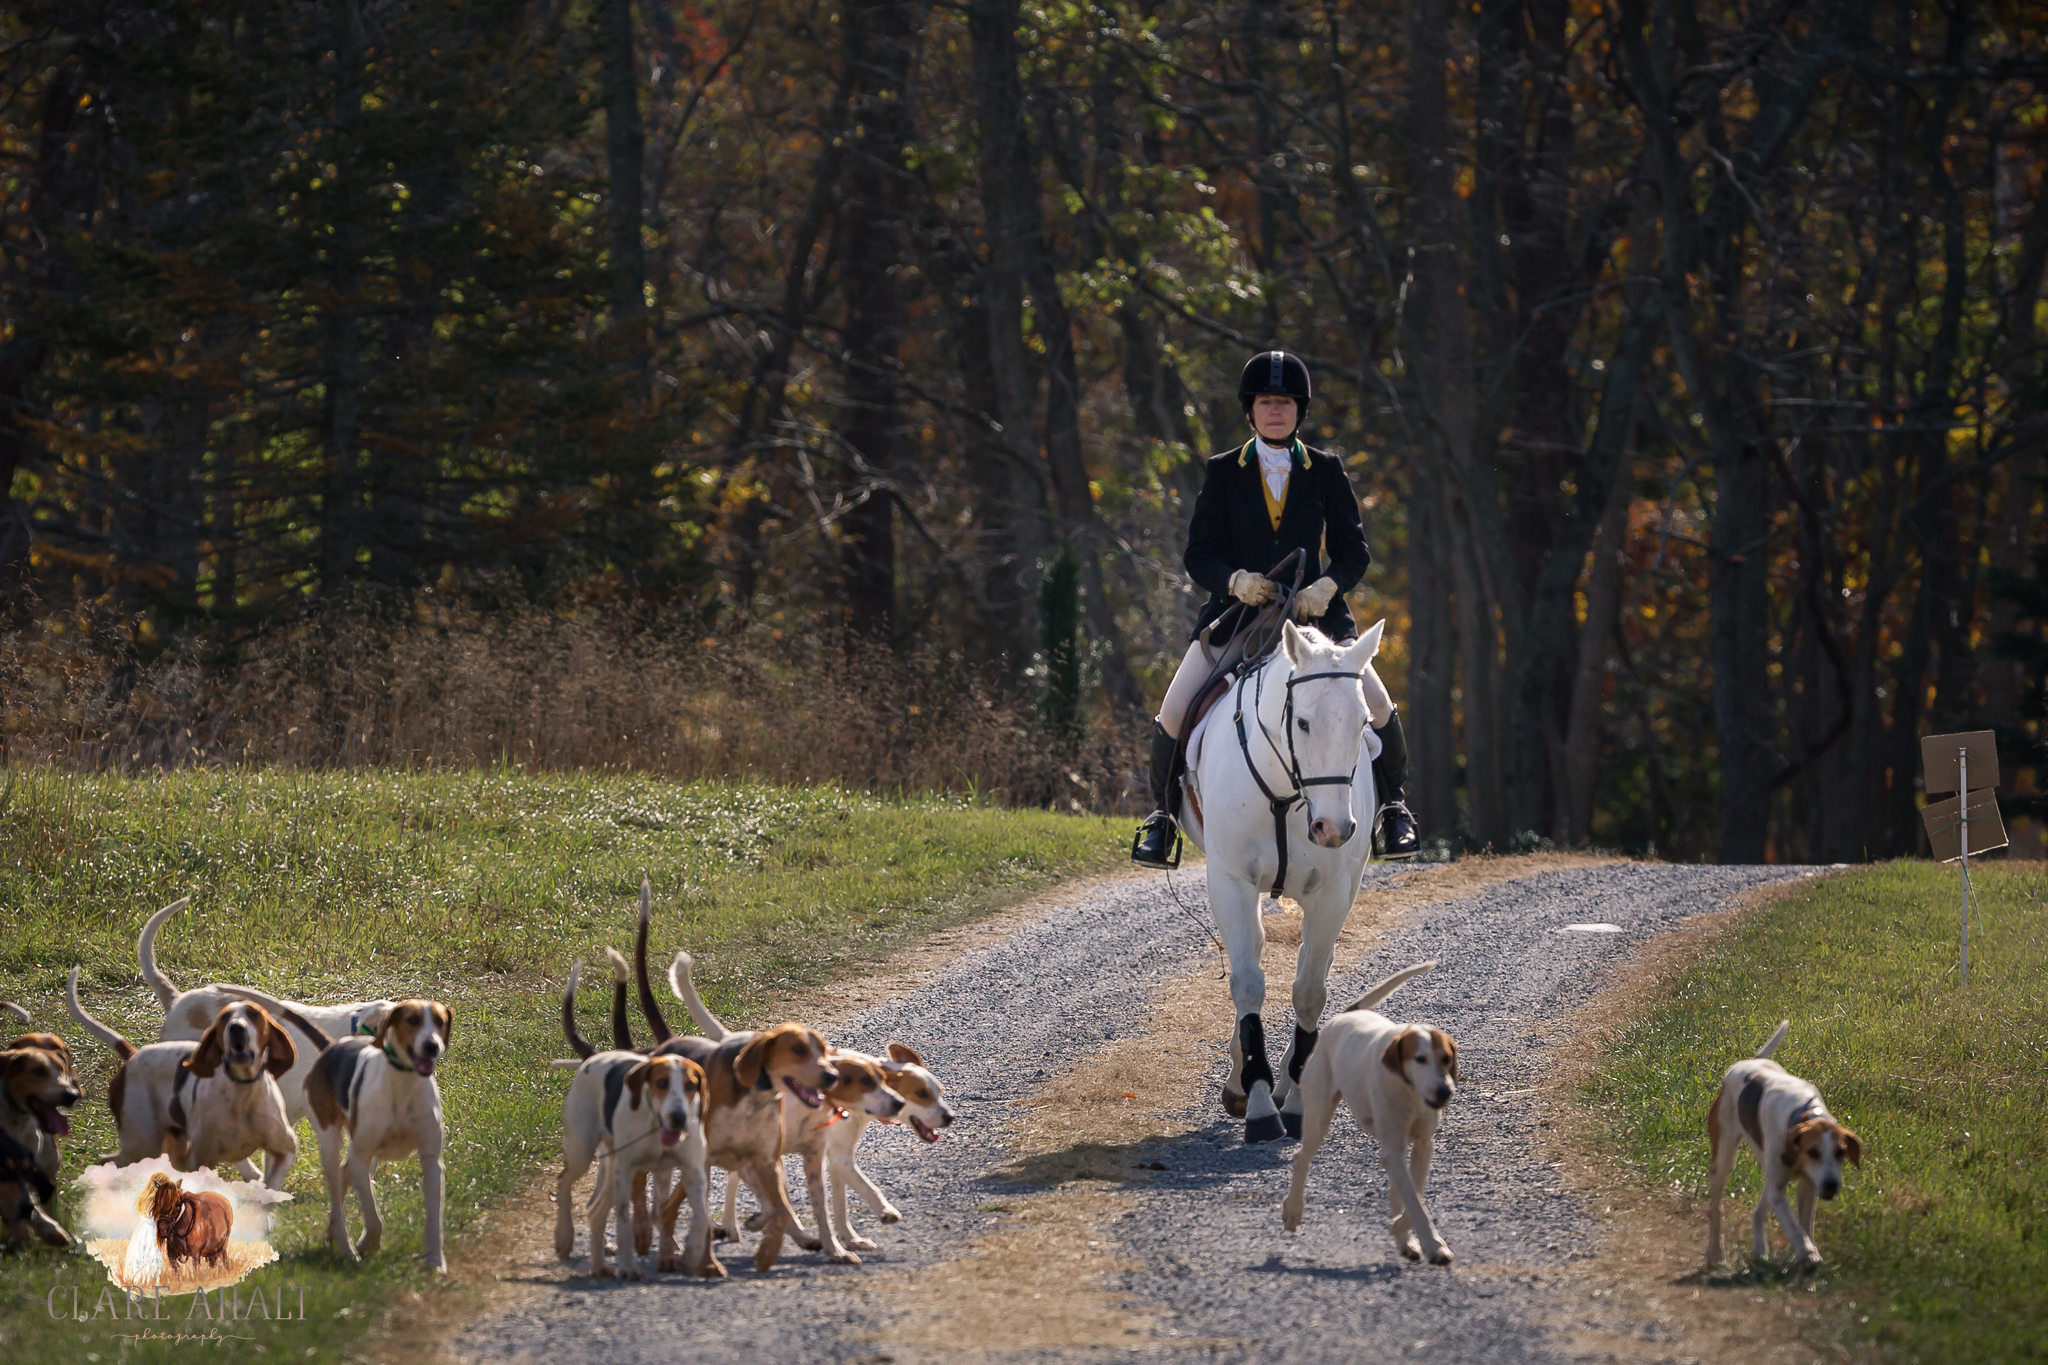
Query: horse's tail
{"x":1389,"y":986}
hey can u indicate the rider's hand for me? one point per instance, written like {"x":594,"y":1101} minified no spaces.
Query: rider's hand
{"x":1312,"y":601}
{"x":1252,"y":589}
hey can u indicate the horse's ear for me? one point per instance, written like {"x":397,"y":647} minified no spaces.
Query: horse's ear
{"x":1290,"y":642}
{"x":1362,"y":650}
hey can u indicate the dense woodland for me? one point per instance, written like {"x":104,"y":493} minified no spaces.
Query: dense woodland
{"x":1684,"y":353}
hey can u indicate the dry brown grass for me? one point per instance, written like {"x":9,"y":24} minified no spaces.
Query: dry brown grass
{"x":545,"y":691}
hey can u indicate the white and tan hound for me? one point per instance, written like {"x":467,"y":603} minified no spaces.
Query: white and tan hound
{"x":1790,"y":1133}
{"x":204,"y":1103}
{"x":1396,"y":1078}
{"x":636,"y":1115}
{"x":188,"y":1014}
{"x":375,"y":1099}
{"x":903,"y":1078}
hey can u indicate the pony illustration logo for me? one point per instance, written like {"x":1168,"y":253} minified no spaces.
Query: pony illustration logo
{"x":167,"y":1232}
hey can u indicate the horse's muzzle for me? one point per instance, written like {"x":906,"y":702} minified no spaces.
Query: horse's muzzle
{"x":1327,"y":833}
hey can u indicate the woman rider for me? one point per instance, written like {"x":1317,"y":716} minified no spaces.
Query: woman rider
{"x":1258,"y":502}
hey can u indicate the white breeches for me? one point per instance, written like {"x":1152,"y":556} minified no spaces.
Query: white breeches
{"x":1200,"y":658}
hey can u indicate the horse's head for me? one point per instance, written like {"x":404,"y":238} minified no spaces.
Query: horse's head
{"x":1327,"y":728}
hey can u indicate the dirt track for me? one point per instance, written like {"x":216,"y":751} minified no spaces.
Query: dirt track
{"x":1093,"y":1202}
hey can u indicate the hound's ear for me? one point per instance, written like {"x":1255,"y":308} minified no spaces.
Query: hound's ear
{"x":636,"y":1080}
{"x":693,"y":1076}
{"x":753,"y":1059}
{"x":903,"y":1054}
{"x":205,"y":1059}
{"x":283,"y":1056}
{"x":1852,"y":1146}
{"x":1291,"y":642}
{"x":446,"y":1017}
{"x":1395,"y":1055}
{"x":1447,"y":1048}
{"x":1796,"y":1139}
{"x":817,"y":1040}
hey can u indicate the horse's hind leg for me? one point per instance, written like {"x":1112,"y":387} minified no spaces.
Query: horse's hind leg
{"x":1322,"y":919}
{"x":1235,"y":904}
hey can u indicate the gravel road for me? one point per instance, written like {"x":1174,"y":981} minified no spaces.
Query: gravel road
{"x":1204,"y":1259}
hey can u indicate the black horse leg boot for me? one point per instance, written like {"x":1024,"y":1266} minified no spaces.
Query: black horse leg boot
{"x":1155,"y":836}
{"x":1398,"y":835}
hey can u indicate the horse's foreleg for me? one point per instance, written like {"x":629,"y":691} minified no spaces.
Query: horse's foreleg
{"x":1249,"y":1091}
{"x":1322,"y":919}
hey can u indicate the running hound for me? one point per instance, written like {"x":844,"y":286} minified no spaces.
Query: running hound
{"x":1397,"y":1078}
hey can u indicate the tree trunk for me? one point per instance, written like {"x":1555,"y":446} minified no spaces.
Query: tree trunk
{"x":625,"y":146}
{"x":879,"y":36}
{"x":1432,"y":644}
{"x":1589,"y":681}
{"x":1020,"y":259}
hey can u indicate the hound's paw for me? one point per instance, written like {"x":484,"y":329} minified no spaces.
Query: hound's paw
{"x":437,"y":1265}
{"x":721,"y":1233}
{"x":668,"y":1262}
{"x":1440,"y":1256}
{"x":1810,"y":1259}
{"x":862,"y":1243}
{"x":632,"y":1272}
{"x":844,"y":1257}
{"x":890,"y":1214}
{"x":712,"y":1269}
{"x":372,"y":1239}
{"x":564,"y":1248}
{"x":1290,"y":1214}
{"x":755,"y":1221}
{"x":643,"y":1239}
{"x":1411,"y":1249}
{"x":806,"y":1240}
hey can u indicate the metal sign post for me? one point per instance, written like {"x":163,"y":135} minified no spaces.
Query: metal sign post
{"x":1946,"y":761}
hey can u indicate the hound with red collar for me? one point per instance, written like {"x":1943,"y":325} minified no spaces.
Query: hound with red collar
{"x":1791,"y":1134}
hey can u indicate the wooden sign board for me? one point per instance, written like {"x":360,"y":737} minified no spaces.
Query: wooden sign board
{"x":1945,"y":831}
{"x":1939,"y":760}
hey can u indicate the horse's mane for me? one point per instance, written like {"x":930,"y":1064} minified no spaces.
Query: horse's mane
{"x":159,"y":1186}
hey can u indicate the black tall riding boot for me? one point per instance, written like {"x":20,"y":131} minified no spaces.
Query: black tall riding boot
{"x":1155,"y":836}
{"x":1398,"y":835}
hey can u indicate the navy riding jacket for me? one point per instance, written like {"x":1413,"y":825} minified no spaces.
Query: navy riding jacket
{"x":1232,"y":530}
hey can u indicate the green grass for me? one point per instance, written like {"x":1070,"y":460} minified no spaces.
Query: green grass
{"x":479,"y":889}
{"x":1938,"y":1247}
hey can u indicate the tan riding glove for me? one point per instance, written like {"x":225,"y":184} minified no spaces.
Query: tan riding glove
{"x":1312,"y":601}
{"x":1252,"y":589}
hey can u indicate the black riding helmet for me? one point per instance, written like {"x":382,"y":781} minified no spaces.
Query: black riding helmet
{"x":1275,"y":372}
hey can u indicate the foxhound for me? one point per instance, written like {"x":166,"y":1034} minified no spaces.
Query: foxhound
{"x":749,"y":1078}
{"x":1396,"y":1078}
{"x":375,"y":1099}
{"x":37,"y":1085}
{"x":660,"y":1126}
{"x":188,"y":1014}
{"x":206,"y":1103}
{"x":919,"y":1101}
{"x":1790,"y":1133}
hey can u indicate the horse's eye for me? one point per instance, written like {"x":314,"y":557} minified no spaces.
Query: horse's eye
{"x":1304,"y":726}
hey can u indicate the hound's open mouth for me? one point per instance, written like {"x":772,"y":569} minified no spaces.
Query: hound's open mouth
{"x":423,"y":1065}
{"x":811,"y":1098}
{"x":670,"y":1136}
{"x":55,"y":1121}
{"x":923,"y":1129}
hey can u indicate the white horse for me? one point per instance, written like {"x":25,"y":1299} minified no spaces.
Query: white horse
{"x":1290,"y":734}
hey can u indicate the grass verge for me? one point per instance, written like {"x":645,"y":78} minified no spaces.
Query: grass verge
{"x":1938,"y":1247}
{"x":476,"y":888}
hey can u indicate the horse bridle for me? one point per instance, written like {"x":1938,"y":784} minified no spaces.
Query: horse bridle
{"x":1281,"y":805}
